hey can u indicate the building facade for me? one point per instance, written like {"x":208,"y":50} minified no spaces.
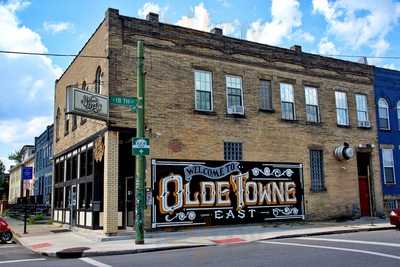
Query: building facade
{"x":387,"y":97}
{"x":17,"y":186}
{"x":213,"y":99}
{"x":44,"y":166}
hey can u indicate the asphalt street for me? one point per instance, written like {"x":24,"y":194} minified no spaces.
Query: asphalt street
{"x":378,"y":248}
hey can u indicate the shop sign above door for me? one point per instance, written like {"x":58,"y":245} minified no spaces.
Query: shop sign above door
{"x":87,"y":104}
{"x":188,"y":193}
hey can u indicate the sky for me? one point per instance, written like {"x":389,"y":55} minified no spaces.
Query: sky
{"x":344,"y":27}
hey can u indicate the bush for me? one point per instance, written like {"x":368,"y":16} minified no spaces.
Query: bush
{"x":39,"y":217}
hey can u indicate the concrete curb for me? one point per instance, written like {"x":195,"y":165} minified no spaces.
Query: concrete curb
{"x":332,"y":232}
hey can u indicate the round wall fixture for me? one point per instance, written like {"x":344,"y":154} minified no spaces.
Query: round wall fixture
{"x":344,"y":152}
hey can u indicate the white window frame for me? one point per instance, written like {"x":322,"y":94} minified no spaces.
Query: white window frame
{"x":292,"y":101}
{"x":384,"y":101}
{"x":211,"y":90}
{"x":226,"y":91}
{"x":337,"y":93}
{"x":306,"y":89}
{"x":383,"y":165}
{"x":360,"y":110}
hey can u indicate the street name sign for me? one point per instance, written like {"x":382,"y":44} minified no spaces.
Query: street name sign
{"x":87,"y":104}
{"x":123,"y":100}
{"x":27,"y":173}
{"x":140,"y":146}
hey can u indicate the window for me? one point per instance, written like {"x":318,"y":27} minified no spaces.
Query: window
{"x":203,"y":90}
{"x":233,"y":151}
{"x":317,"y":171}
{"x":89,"y":195}
{"x":66,"y":124}
{"x":312,"y":108}
{"x":74,"y":167}
{"x":287,"y":101}
{"x":69,"y":168}
{"x":234,"y":95}
{"x":391,"y":204}
{"x":97,"y":82}
{"x":383,"y":113}
{"x":74,"y":122}
{"x":398,"y":115}
{"x":58,"y":124}
{"x":82,"y":194}
{"x":89,"y":162}
{"x":62,"y":172}
{"x":265,"y":95}
{"x":388,"y":166}
{"x":362,"y":108}
{"x":342,"y":112}
{"x":82,"y":164}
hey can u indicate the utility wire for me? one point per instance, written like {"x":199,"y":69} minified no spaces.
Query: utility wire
{"x":48,"y":54}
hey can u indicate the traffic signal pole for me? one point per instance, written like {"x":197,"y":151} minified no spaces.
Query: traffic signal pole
{"x":140,"y":159}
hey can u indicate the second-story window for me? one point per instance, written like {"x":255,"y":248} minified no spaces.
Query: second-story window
{"x":66,"y":124}
{"x":362,"y":110}
{"x":265,"y":95}
{"x":203,"y":90}
{"x":287,"y":101}
{"x":312,"y":108}
{"x":383,"y":113}
{"x":234,"y":95}
{"x":342,"y":111}
{"x":97,"y":82}
{"x":57,"y":124}
{"x":388,"y":166}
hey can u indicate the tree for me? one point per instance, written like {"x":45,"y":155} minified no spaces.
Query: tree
{"x":16,"y":156}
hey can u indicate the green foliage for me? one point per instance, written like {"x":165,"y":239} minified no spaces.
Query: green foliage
{"x":16,"y":156}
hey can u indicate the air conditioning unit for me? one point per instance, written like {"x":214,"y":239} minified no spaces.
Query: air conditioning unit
{"x":236,"y":110}
{"x":364,"y":124}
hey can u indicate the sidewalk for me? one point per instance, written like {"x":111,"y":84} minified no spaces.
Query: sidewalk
{"x":57,"y":241}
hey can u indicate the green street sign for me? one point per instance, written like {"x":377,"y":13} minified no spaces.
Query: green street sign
{"x":123,"y":100}
{"x":140,"y":146}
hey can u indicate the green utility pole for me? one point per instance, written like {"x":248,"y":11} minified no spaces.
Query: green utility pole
{"x":140,"y":159}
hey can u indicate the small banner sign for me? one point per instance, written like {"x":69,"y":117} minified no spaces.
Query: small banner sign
{"x":87,"y":104}
{"x":189,"y":193}
{"x":140,"y":146}
{"x":27,"y":173}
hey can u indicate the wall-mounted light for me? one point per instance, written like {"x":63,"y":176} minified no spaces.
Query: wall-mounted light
{"x":344,"y":152}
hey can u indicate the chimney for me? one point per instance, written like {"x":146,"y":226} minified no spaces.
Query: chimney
{"x":363,"y":60}
{"x":296,"y":48}
{"x":217,"y":31}
{"x":152,"y":17}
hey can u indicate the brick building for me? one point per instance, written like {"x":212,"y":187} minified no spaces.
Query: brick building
{"x":212,"y":97}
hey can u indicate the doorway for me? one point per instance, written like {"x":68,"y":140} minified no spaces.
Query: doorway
{"x":130,"y":201}
{"x":363,"y":166}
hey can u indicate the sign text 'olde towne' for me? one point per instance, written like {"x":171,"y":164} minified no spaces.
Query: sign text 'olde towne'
{"x":211,"y":192}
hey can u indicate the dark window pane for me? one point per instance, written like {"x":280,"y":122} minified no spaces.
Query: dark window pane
{"x":233,"y":151}
{"x":265,"y":95}
{"x":316,"y":169}
{"x":389,"y":175}
{"x":82,"y":159}
{"x":89,"y":162}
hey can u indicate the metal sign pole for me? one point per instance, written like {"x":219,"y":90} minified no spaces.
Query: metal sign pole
{"x":140,"y":159}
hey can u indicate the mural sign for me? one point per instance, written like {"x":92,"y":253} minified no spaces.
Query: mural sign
{"x":216,"y":192}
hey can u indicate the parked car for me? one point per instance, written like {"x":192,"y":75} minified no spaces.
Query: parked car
{"x":5,"y":231}
{"x":395,"y":217}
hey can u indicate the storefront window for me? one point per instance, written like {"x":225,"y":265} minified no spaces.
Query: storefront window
{"x":82,"y":159}
{"x":69,"y":163}
{"x":89,"y":195}
{"x":90,"y":162}
{"x":62,"y":166}
{"x":67,"y":196}
{"x":74,"y":167}
{"x":82,"y":200}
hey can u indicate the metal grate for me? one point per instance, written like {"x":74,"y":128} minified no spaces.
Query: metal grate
{"x":317,"y":171}
{"x":233,"y":151}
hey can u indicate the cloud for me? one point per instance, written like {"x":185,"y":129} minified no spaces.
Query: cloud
{"x":27,"y":82}
{"x":360,"y":23}
{"x":152,"y":7}
{"x":225,"y":3}
{"x":286,"y":18}
{"x":326,"y":47}
{"x":57,"y":27}
{"x":201,"y":20}
{"x":391,"y":66}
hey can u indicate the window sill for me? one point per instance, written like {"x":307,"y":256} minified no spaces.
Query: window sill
{"x":290,"y":121}
{"x":320,"y":191}
{"x":267,"y":110}
{"x":205,"y":112}
{"x":318,"y":124}
{"x":242,"y":116}
{"x":364,"y":128}
{"x":391,"y":184}
{"x":343,"y":126}
{"x":385,"y":130}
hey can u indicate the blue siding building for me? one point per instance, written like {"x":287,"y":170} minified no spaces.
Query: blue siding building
{"x":387,"y":99}
{"x":44,"y":166}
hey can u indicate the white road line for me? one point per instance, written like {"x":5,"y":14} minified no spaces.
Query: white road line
{"x":350,"y":241}
{"x":94,"y":262}
{"x":24,"y":260}
{"x":8,"y":246}
{"x":335,"y":248}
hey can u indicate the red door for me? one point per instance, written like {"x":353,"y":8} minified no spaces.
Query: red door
{"x":364,"y":195}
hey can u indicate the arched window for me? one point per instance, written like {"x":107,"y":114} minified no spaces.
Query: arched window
{"x":58,"y":124}
{"x":383,"y":112}
{"x":97,"y":83}
{"x":398,"y":115}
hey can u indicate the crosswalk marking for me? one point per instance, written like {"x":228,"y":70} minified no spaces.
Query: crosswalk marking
{"x":23,"y":260}
{"x":350,"y":241}
{"x":94,"y":262}
{"x":334,"y":248}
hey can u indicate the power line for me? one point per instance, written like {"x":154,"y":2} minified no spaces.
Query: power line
{"x":48,"y":54}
